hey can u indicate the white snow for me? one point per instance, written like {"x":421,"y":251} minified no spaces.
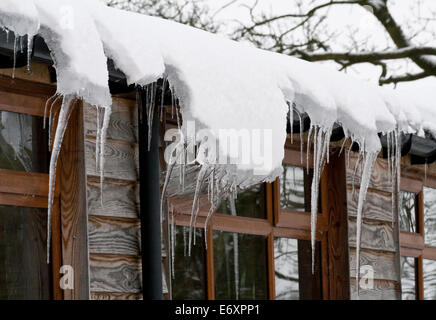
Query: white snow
{"x":219,"y":84}
{"x":20,"y":17}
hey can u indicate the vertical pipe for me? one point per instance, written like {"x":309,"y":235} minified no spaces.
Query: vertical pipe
{"x":149,"y":203}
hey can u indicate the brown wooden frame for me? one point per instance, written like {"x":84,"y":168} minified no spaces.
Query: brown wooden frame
{"x":413,"y":244}
{"x":31,"y":189}
{"x":284,"y":223}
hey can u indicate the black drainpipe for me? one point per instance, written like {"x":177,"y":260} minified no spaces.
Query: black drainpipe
{"x":149,"y":192}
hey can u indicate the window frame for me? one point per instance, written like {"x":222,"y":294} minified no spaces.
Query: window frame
{"x":30,"y":189}
{"x":412,"y":244}
{"x":289,"y":224}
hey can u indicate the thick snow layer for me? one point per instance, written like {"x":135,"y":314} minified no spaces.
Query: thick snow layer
{"x":20,"y":16}
{"x":220,"y":85}
{"x":76,"y":48}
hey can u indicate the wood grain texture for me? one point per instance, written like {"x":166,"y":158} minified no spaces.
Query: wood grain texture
{"x":27,"y":183}
{"x":22,"y":103}
{"x":382,"y":290}
{"x":26,"y":87}
{"x":123,"y":122}
{"x":115,"y":273}
{"x":378,"y":205}
{"x":379,"y":179}
{"x":381,"y":262}
{"x":121,"y":159}
{"x":120,"y":198}
{"x":375,"y":235}
{"x":334,"y":205}
{"x":71,"y":171}
{"x":114,"y":235}
{"x":39,"y":73}
{"x":115,"y":296}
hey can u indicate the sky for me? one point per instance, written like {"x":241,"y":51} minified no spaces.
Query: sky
{"x":346,"y":19}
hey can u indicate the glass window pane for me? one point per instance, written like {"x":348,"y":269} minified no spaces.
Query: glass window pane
{"x":24,"y":272}
{"x":249,"y":203}
{"x":429,"y":268}
{"x":408,"y":278}
{"x":23,"y":143}
{"x":408,"y":211}
{"x":189,"y":280}
{"x":430,"y":216}
{"x":286,"y":269}
{"x":240,"y":266}
{"x":292,"y":188}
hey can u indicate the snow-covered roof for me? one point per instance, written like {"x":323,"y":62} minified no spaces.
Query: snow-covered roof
{"x":220,"y":83}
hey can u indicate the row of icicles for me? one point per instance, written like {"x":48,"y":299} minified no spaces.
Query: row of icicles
{"x":218,"y":179}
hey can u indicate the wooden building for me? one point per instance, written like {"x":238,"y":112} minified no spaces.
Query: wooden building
{"x":262,"y":252}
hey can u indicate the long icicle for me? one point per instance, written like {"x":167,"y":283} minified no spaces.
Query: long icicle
{"x":369,"y":160}
{"x":103,"y":135}
{"x":64,"y":115}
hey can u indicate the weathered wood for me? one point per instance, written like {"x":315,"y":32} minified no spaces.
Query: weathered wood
{"x":121,"y":159}
{"x":39,"y":73}
{"x":115,"y":273}
{"x":375,"y":235}
{"x":22,"y":103}
{"x":378,"y":179}
{"x":113,"y":235}
{"x":381,"y":262}
{"x":383,"y":290}
{"x":115,"y":296}
{"x":334,"y":205}
{"x":71,"y":170}
{"x":378,"y":204}
{"x":27,"y":183}
{"x":120,"y":198}
{"x":123,"y":124}
{"x":26,"y":87}
{"x":23,"y":200}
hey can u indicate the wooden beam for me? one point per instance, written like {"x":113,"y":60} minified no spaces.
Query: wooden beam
{"x":334,"y":204}
{"x":25,"y":183}
{"x":72,"y":176}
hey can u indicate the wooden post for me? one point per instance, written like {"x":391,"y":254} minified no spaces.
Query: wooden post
{"x":334,"y":203}
{"x":74,"y":218}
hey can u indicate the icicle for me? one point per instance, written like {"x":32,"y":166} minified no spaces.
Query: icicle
{"x":97,"y":138}
{"x":45,"y":108}
{"x":21,"y":44}
{"x":235,"y":247}
{"x":173,"y":242}
{"x":314,"y":200}
{"x":195,"y":203}
{"x":425,"y":171}
{"x":164,"y":188}
{"x":29,"y":52}
{"x":343,"y":145}
{"x":7,"y":35}
{"x":15,"y":56}
{"x":301,"y":137}
{"x":50,"y":122}
{"x":369,"y":160}
{"x":103,"y":135}
{"x":388,"y":142}
{"x":308,"y":147}
{"x":64,"y":114}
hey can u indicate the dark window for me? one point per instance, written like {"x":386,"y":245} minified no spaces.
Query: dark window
{"x":240,"y":266}
{"x":249,"y":203}
{"x":24,"y":272}
{"x":189,"y":273}
{"x":23,"y":143}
